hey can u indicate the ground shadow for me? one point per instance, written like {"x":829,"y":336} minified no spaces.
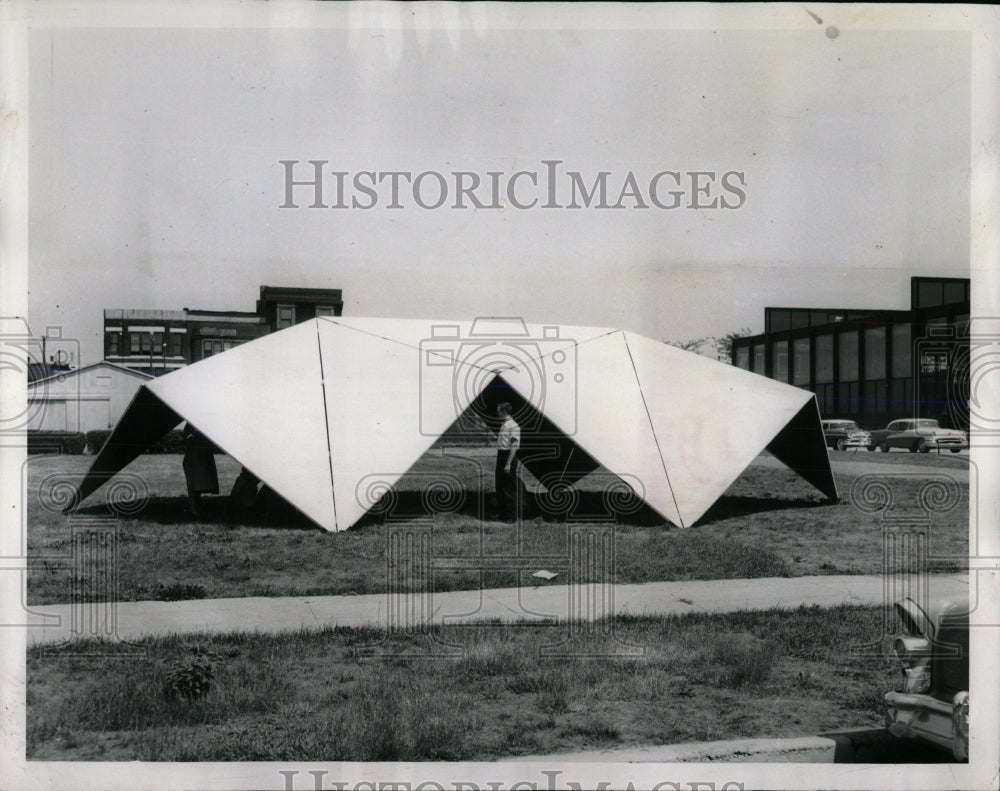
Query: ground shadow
{"x":270,"y":510}
{"x":728,"y":507}
{"x":566,"y":505}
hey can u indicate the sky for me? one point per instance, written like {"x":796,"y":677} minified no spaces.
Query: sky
{"x":156,"y":178}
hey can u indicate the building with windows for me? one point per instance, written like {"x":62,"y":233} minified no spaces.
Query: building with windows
{"x":877,"y":365}
{"x":285,"y":307}
{"x":159,"y":341}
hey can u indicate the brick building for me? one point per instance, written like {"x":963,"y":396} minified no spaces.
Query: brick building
{"x":159,"y":341}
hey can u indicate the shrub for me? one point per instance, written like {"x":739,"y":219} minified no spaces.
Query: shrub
{"x":171,"y":442}
{"x":189,"y":679}
{"x":96,"y":439}
{"x":56,"y":442}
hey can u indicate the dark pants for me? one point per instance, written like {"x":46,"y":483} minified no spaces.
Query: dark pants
{"x":506,"y":485}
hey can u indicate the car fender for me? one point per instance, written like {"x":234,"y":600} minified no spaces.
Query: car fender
{"x":915,"y":621}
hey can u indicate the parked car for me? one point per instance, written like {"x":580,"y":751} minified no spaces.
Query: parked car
{"x":919,"y":436}
{"x":933,"y":650}
{"x":843,"y":434}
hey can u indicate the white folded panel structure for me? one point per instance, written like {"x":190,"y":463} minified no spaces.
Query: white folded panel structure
{"x":314,"y":409}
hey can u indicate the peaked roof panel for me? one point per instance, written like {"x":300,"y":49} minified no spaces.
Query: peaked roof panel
{"x":315,"y":409}
{"x":383,"y":410}
{"x":710,"y":419}
{"x":262,"y":403}
{"x":597,"y":401}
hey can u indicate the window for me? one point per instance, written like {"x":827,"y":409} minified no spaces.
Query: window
{"x":210,"y":346}
{"x":286,"y":316}
{"x":875,"y":353}
{"x":956,"y":292}
{"x":799,"y":319}
{"x":800,"y":367}
{"x":826,"y":398}
{"x":901,"y":394}
{"x":326,"y":310}
{"x":902,"y":360}
{"x":779,"y":320}
{"x":157,"y":343}
{"x":146,"y":342}
{"x":849,"y":356}
{"x":929,"y":292}
{"x":848,"y":397}
{"x":176,"y":344}
{"x":743,"y":357}
{"x":877,"y":393}
{"x":113,"y":343}
{"x":780,"y":351}
{"x":759,"y":366}
{"x":824,"y":358}
{"x":133,"y":342}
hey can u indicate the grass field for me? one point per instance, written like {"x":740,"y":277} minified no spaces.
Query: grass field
{"x":319,"y":696}
{"x":769,"y":523}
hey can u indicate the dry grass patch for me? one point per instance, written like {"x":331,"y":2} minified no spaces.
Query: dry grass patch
{"x":315,"y":696}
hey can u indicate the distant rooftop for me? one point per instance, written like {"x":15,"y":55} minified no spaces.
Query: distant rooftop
{"x":289,"y":294}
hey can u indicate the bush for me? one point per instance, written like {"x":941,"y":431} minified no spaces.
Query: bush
{"x":96,"y":439}
{"x":56,"y":442}
{"x":188,"y":679}
{"x":172,"y":442}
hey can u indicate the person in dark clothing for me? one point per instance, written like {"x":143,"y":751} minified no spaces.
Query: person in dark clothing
{"x":199,"y":467}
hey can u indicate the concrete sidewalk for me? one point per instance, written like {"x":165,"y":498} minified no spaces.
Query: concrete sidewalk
{"x":801,"y":750}
{"x":545,"y":603}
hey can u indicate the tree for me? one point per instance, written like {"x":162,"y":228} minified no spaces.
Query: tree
{"x":724,"y":343}
{"x":693,"y":345}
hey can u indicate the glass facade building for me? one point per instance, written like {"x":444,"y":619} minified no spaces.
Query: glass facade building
{"x":873,"y":366}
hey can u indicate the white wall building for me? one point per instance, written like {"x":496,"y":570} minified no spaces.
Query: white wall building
{"x":85,"y":399}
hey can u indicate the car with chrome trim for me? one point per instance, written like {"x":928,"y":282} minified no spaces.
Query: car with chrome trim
{"x":844,"y":434}
{"x":932,"y":704}
{"x":919,"y":436}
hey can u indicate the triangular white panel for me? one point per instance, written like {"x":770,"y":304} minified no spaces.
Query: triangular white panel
{"x":317,"y":410}
{"x":711,"y":419}
{"x":384,"y":410}
{"x":262,"y":403}
{"x":596,"y":400}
